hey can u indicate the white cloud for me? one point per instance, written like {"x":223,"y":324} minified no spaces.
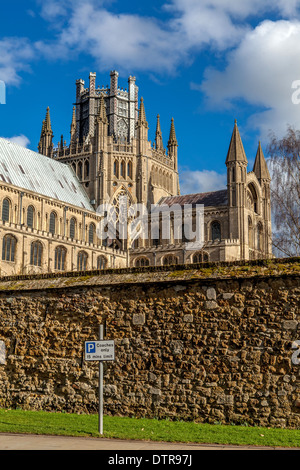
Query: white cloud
{"x":192,"y":182}
{"x":15,"y":56}
{"x":261,"y":71}
{"x":19,"y":139}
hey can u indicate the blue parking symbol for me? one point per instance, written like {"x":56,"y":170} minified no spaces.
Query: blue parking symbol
{"x":2,"y":93}
{"x":90,"y":348}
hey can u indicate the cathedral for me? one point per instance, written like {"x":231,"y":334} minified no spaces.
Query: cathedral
{"x":50,"y":198}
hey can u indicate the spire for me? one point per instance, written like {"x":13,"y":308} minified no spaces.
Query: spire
{"x":172,"y":138}
{"x":45,"y":146}
{"x":47,"y":126}
{"x":142,"y":115}
{"x":260,"y":167}
{"x":236,"y":150}
{"x":158,"y":137}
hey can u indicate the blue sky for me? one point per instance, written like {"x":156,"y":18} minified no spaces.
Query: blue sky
{"x":203,"y":62}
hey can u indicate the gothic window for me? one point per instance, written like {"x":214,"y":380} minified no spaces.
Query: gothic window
{"x":141,"y":262}
{"x":52,"y":223}
{"x":30,"y":216}
{"x":252,"y":200}
{"x":82,"y":261}
{"x":91,"y":233}
{"x":129,"y":170}
{"x":72,"y":228}
{"x":6,"y":210}
{"x":86,"y":169}
{"x":36,"y":254}
{"x":79,"y":170}
{"x":60,"y":258}
{"x":215,"y":231}
{"x":116,"y":168}
{"x":259,"y":237}
{"x":250,"y":233}
{"x":9,"y":248}
{"x":123,"y":169}
{"x":101,"y":262}
{"x":200,"y":257}
{"x":169,"y":260}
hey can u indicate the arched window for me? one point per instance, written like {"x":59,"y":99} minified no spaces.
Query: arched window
{"x":101,"y":262}
{"x":6,"y":210}
{"x":259,"y":237}
{"x":52,"y":223}
{"x":129,"y":170}
{"x":141,"y":262}
{"x":250,"y":233}
{"x":72,"y":228}
{"x":215,"y":231}
{"x":30,"y":216}
{"x":169,"y":260}
{"x":116,"y":168}
{"x":60,"y":258}
{"x":86,"y":169}
{"x":123,"y":169}
{"x":92,"y":230}
{"x":79,"y":170}
{"x":200,"y":257}
{"x":252,"y":199}
{"x":36,"y":254}
{"x":9,"y":248}
{"x":82,"y":261}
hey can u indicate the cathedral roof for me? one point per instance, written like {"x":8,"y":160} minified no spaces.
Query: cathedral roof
{"x":30,"y":170}
{"x":211,"y":199}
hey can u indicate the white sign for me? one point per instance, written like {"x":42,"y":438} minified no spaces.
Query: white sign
{"x":101,"y":350}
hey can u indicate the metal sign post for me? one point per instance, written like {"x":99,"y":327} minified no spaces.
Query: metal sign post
{"x":102,"y":350}
{"x":101,"y":386}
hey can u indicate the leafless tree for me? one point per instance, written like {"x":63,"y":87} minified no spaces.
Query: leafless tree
{"x":284,"y":165}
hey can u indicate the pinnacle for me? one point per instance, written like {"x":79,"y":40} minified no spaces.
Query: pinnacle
{"x":172,"y":138}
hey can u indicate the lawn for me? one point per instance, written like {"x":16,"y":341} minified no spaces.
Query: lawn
{"x":40,"y":422}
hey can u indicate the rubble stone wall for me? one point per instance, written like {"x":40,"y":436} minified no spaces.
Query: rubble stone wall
{"x":211,"y":343}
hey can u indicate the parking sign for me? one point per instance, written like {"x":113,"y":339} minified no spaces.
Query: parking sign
{"x":102,"y":350}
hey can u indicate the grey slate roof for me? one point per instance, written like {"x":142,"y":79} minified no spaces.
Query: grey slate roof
{"x":211,"y":199}
{"x":30,"y":170}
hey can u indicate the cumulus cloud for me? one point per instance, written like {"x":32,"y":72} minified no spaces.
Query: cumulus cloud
{"x":15,"y":56}
{"x":19,"y":139}
{"x":192,"y":182}
{"x":260,"y":71}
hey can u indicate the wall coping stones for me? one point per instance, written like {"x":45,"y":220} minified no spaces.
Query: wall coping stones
{"x":210,"y":272}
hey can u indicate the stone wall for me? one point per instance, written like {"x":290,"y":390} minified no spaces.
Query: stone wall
{"x":210,"y":343}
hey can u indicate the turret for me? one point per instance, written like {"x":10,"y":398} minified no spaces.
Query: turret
{"x":236,"y":163}
{"x":101,"y":125}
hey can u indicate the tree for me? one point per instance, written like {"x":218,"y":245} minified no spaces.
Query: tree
{"x":284,"y":165}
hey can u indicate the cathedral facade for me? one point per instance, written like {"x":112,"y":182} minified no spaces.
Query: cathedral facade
{"x":109,"y":157}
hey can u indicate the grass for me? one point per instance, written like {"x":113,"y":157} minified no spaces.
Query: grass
{"x":64,"y":424}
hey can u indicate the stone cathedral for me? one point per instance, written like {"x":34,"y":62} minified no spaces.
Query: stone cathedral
{"x":50,"y":225}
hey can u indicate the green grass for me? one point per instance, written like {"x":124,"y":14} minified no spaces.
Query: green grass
{"x":40,"y":422}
